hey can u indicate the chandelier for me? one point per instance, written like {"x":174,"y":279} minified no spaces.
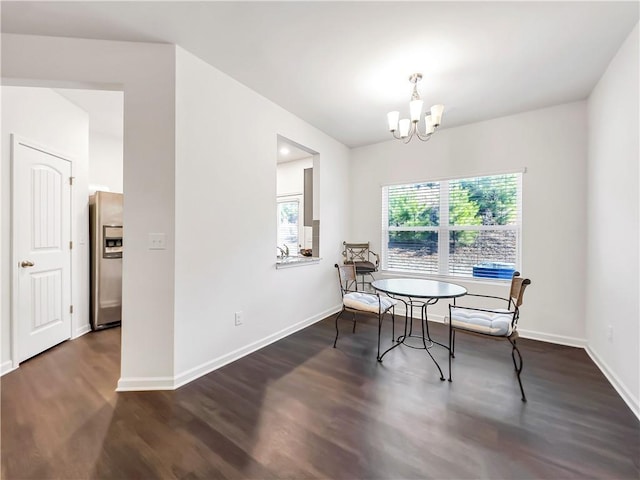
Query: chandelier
{"x":408,"y":128}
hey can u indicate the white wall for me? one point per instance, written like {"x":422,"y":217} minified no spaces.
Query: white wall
{"x":290,"y":176}
{"x":146,"y":74}
{"x":225,"y":221}
{"x":551,"y":144}
{"x":44,"y":117}
{"x":106,"y":160}
{"x":613,"y":212}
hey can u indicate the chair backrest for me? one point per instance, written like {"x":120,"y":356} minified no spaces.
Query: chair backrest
{"x":355,"y":252}
{"x":518,"y":286}
{"x":347,"y":277}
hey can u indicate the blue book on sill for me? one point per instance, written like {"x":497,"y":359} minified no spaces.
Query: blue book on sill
{"x":494,"y":270}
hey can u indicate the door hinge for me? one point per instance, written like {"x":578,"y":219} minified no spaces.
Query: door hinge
{"x":70,"y":245}
{"x":71,"y":180}
{"x":70,"y":308}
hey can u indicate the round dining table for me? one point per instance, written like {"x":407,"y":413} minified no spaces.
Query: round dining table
{"x":418,"y":293}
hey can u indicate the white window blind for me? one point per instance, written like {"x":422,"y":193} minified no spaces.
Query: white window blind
{"x":460,"y":227}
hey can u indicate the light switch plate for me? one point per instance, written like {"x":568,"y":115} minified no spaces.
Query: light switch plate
{"x":157,"y":241}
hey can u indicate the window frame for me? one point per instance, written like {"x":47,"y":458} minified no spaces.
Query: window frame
{"x":291,"y":198}
{"x":443,"y":228}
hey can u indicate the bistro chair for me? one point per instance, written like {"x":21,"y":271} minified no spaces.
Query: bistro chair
{"x":360,"y":255}
{"x":495,"y":322}
{"x":356,"y":302}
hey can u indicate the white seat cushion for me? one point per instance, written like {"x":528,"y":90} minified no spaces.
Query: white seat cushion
{"x":367,"y":302}
{"x":496,"y":323}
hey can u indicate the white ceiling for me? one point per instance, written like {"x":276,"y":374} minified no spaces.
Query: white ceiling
{"x":342,"y":65}
{"x":289,"y":151}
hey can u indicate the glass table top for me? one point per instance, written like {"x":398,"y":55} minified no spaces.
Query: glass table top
{"x":419,"y":288}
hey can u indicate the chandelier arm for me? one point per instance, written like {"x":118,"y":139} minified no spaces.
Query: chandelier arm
{"x":412,"y":131}
{"x":425,"y":137}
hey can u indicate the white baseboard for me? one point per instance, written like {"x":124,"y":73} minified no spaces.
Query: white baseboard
{"x":81,"y":331}
{"x":632,"y":402}
{"x":171,"y":383}
{"x":552,"y":338}
{"x":137,"y":384}
{"x":6,"y":367}
{"x":208,"y":367}
{"x":529,"y":334}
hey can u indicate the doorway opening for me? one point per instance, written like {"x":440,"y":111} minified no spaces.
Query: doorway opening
{"x":297,"y":192}
{"x":78,"y":128}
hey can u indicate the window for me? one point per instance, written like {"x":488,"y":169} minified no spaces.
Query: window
{"x":289,"y":223}
{"x":460,"y":227}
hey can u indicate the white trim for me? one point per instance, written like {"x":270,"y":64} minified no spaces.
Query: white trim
{"x":83,"y":329}
{"x":446,"y":278}
{"x":6,"y":367}
{"x":627,"y":396}
{"x":522,"y":170}
{"x":136,"y":384}
{"x":171,"y":383}
{"x":552,"y":338}
{"x":528,"y":334}
{"x":207,"y":367}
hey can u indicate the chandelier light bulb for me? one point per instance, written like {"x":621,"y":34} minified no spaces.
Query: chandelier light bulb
{"x":392,"y":120}
{"x":436,"y":114}
{"x":430,"y":128}
{"x":415,"y":108}
{"x":404,"y":127}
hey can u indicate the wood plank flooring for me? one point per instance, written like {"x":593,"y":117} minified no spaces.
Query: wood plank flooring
{"x":300,"y":409}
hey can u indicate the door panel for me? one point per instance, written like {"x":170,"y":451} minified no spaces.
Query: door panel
{"x":46,"y":296}
{"x":42,"y":232}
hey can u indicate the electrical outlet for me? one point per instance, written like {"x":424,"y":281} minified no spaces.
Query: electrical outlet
{"x":157,"y":241}
{"x":239,"y":319}
{"x":610,"y":333}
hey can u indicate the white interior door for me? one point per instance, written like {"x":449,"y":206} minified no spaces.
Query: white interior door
{"x":41,"y":249}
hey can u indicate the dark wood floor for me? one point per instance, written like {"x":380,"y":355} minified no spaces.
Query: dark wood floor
{"x":301,"y":409}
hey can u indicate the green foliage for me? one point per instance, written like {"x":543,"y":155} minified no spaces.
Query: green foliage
{"x":288,"y":212}
{"x":414,"y":207}
{"x":462,"y":211}
{"x":411,"y":209}
{"x":496,"y":198}
{"x":478,"y":201}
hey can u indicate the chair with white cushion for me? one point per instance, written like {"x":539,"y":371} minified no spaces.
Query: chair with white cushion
{"x":354,"y":302}
{"x":491,"y":322}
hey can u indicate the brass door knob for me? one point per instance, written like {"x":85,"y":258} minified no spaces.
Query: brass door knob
{"x":26,"y":264}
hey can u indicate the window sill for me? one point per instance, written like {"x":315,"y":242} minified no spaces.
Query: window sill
{"x":446,"y":278}
{"x":296,"y":261}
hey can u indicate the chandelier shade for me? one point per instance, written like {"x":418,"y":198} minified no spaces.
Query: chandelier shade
{"x":407,"y":128}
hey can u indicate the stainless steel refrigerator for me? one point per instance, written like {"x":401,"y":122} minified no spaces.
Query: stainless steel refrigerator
{"x":106,"y":234}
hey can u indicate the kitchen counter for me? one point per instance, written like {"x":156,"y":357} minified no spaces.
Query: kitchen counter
{"x":296,"y":261}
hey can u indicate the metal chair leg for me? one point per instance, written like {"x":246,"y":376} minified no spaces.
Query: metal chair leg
{"x":451,"y":332}
{"x":337,"y":331}
{"x":393,"y":324}
{"x":354,"y":322}
{"x":453,"y":344}
{"x":379,"y":333}
{"x":518,"y":368}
